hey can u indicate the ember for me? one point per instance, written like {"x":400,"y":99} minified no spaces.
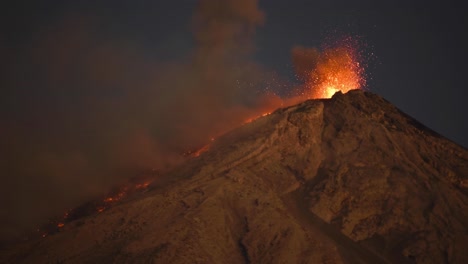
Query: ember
{"x":337,"y":67}
{"x":92,"y":207}
{"x":257,"y":117}
{"x":337,"y":70}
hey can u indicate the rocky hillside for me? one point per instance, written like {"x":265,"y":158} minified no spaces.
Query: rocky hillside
{"x":346,"y":180}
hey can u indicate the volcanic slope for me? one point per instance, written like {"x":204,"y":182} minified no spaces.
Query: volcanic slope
{"x":344,"y":180}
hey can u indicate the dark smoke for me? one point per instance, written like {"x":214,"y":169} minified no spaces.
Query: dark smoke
{"x":82,"y":112}
{"x":304,"y":61}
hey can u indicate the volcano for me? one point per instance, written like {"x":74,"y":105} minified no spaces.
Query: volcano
{"x":350,"y":179}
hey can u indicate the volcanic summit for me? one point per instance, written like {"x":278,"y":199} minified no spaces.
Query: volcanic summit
{"x":350,"y":179}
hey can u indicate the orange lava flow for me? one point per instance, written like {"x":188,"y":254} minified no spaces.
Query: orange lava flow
{"x":143,"y":185}
{"x":250,"y":120}
{"x":337,"y":69}
{"x":56,"y":224}
{"x":205,"y":148}
{"x":201,"y":150}
{"x":121,"y":194}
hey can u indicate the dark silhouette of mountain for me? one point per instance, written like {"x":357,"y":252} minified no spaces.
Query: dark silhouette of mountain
{"x":350,"y":179}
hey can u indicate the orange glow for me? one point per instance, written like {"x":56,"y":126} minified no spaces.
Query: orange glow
{"x":212,"y":139}
{"x":143,"y":185}
{"x":121,"y":194}
{"x":337,"y":69}
{"x":200,"y":151}
{"x":338,"y":66}
{"x":104,"y":203}
{"x":255,"y":118}
{"x":109,"y":199}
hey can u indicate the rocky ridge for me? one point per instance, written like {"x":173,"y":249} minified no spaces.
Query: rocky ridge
{"x":350,"y":179}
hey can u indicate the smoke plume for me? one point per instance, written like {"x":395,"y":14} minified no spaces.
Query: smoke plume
{"x":82,"y":112}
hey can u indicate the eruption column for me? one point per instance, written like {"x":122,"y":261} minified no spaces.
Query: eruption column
{"x":335,"y":68}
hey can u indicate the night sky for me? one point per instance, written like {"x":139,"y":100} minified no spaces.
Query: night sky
{"x":419,"y":47}
{"x":88,"y":85}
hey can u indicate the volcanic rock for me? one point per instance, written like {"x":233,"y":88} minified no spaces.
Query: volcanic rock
{"x":349,"y":179}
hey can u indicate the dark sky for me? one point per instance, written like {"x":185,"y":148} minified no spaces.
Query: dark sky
{"x":87,"y":85}
{"x":420,"y":51}
{"x":420,"y":47}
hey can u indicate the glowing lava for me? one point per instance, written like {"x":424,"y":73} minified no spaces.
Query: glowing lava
{"x":98,"y":206}
{"x":197,"y":152}
{"x":337,"y":69}
{"x":250,"y":120}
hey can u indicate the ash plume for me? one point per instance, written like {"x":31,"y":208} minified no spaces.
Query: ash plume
{"x":83,"y":112}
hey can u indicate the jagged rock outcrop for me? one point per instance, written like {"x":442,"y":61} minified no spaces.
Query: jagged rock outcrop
{"x":347,"y":180}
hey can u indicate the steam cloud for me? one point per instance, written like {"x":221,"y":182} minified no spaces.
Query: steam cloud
{"x":82,"y":113}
